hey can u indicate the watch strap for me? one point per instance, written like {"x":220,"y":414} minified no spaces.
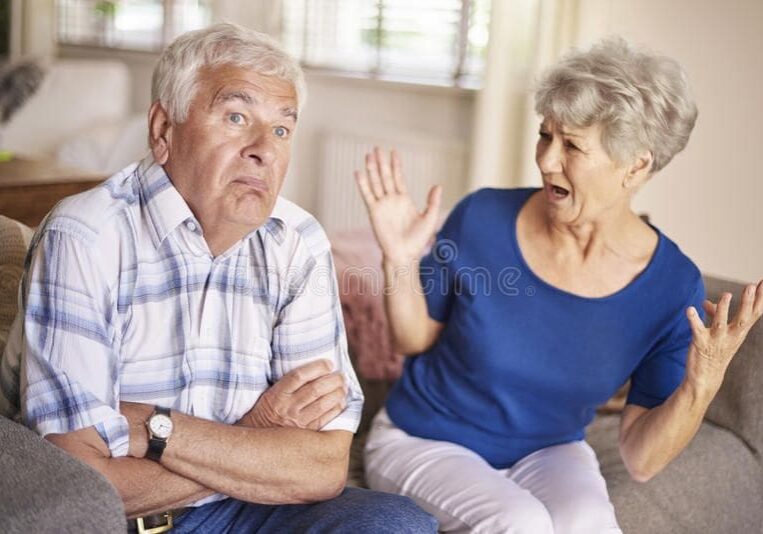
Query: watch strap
{"x":155,"y":448}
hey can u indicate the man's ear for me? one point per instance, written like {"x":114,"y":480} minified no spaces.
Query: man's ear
{"x":639,"y":171}
{"x":159,"y":133}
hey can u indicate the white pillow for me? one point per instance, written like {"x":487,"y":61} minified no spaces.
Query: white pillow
{"x":106,"y":148}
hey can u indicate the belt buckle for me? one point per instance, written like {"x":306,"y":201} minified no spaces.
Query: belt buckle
{"x":158,"y":529}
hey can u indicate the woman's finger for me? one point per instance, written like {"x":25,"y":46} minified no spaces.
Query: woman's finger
{"x":743,"y":317}
{"x":434,"y":198}
{"x":721,"y":318}
{"x":709,"y":308}
{"x":695,"y":322}
{"x":361,"y":178}
{"x":397,"y":174}
{"x":385,"y":172}
{"x":372,"y":170}
{"x":757,"y":307}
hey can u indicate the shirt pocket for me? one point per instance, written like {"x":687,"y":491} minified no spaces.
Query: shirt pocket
{"x":244,"y":376}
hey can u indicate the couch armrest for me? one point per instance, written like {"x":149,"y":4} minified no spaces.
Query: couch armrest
{"x":714,"y":485}
{"x":43,"y":489}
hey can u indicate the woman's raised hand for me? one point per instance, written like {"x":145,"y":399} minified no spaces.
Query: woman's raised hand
{"x":713,"y":347}
{"x":401,"y":230}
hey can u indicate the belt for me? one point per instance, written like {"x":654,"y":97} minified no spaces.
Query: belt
{"x":154,"y":524}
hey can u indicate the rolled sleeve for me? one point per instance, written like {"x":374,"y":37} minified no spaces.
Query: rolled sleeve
{"x":69,"y":375}
{"x":310,"y":327}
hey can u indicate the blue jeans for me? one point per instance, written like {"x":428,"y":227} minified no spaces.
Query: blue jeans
{"x":355,"y":510}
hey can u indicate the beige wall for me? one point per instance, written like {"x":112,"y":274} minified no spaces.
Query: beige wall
{"x":710,"y":198}
{"x":371,"y":107}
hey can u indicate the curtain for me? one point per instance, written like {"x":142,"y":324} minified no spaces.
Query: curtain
{"x":525,"y":37}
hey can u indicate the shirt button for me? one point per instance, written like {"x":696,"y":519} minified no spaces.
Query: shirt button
{"x":191,"y":226}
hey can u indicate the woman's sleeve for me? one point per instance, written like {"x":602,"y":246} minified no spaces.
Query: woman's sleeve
{"x":438,"y":268}
{"x":662,"y":370}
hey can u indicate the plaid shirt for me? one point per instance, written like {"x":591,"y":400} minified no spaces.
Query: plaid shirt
{"x":122,"y":300}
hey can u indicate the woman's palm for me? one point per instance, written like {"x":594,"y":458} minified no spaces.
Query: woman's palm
{"x":401,"y":230}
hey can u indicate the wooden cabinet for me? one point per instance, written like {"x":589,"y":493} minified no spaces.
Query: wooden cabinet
{"x":30,"y":188}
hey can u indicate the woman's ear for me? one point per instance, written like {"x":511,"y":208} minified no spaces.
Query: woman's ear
{"x":159,"y":133}
{"x":639,"y":172}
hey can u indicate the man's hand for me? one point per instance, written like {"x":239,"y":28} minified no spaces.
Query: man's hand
{"x":308,"y":397}
{"x":137,"y":414}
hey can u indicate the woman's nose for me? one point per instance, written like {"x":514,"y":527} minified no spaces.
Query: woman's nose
{"x":548,"y":156}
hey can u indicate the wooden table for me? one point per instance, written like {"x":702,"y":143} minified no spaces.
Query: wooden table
{"x":30,"y":188}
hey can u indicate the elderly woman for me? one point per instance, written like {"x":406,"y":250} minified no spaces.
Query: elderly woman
{"x":535,"y":305}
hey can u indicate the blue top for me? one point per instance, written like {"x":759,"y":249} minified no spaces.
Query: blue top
{"x":521,"y":365}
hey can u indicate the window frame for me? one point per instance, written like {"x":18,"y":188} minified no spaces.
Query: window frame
{"x":458,"y":80}
{"x":97,"y":41}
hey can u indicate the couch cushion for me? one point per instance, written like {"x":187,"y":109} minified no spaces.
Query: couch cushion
{"x":715,"y":485}
{"x":357,"y":258}
{"x":75,"y":94}
{"x":43,"y":489}
{"x":14,"y":241}
{"x":737,"y":406}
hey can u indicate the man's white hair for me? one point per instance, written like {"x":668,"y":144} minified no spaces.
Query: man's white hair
{"x":175,"y":75}
{"x":641,"y":100}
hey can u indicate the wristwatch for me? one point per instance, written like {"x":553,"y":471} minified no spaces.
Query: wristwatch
{"x":159,"y":431}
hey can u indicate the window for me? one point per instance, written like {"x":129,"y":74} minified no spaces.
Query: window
{"x":440,"y":42}
{"x":129,"y":24}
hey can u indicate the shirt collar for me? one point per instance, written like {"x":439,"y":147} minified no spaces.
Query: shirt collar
{"x":276,"y":223}
{"x":167,"y":209}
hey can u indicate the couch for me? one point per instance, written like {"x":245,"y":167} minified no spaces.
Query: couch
{"x":714,"y":486}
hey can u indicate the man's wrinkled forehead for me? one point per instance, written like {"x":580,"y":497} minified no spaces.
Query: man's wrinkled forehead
{"x":226,"y":83}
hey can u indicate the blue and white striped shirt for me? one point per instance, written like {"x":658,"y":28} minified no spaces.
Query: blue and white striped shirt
{"x":122,"y":301}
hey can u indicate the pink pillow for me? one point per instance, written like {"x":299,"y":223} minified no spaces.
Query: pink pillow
{"x":357,"y":258}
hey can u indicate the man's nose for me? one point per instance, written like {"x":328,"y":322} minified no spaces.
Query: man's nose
{"x":261,"y":147}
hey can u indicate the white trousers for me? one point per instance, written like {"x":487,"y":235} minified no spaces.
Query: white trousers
{"x":554,"y":490}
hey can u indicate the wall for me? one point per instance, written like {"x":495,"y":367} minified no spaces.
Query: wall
{"x":385,"y":109}
{"x":709,"y":198}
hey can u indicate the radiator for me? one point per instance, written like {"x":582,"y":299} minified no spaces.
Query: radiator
{"x":426,"y":162}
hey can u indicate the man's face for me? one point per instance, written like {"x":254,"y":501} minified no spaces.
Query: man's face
{"x":229,"y":158}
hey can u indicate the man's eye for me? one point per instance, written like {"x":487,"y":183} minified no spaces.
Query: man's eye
{"x":236,"y":118}
{"x":281,"y":132}
{"x":544,"y":135}
{"x":571,"y":145}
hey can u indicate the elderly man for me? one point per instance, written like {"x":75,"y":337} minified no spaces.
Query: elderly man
{"x":179,"y":327}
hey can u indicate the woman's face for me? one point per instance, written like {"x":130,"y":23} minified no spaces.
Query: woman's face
{"x":581,"y":183}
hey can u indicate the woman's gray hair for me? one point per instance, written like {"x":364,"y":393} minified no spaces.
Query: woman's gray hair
{"x":175,"y":75}
{"x":641,"y":100}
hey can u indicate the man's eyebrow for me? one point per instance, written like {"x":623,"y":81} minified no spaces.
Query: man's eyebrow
{"x":227,"y":96}
{"x":289,"y":112}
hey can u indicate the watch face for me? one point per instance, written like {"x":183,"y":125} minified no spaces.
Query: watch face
{"x":160,"y":426}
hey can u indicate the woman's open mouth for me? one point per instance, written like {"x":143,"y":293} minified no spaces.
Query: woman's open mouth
{"x":554,"y":192}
